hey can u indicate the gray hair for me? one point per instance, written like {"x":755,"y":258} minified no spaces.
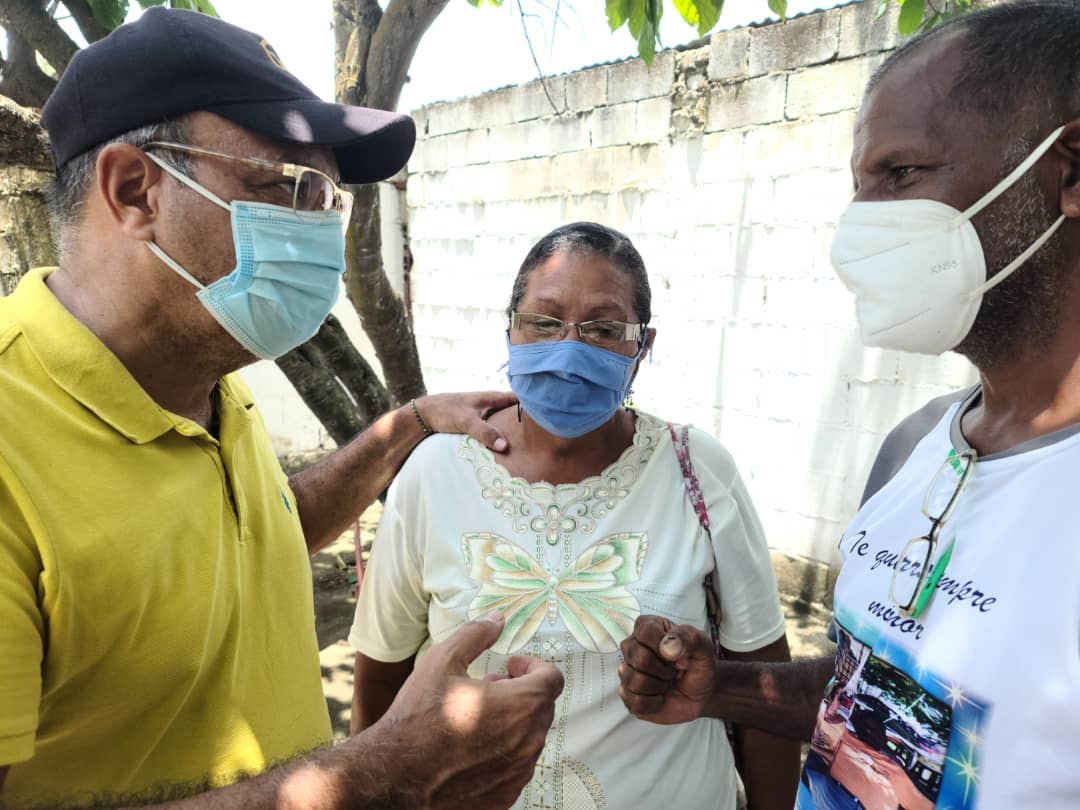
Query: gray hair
{"x":589,"y":239}
{"x":71,"y":186}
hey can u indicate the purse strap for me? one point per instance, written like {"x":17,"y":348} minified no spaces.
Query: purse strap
{"x":681,"y":440}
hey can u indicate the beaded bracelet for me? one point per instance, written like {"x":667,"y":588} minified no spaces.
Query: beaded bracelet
{"x":423,"y":425}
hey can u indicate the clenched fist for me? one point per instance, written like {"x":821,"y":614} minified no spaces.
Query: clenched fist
{"x":668,"y":672}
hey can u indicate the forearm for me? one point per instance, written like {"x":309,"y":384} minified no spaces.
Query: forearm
{"x":770,"y":767}
{"x":365,"y":771}
{"x":376,"y":684}
{"x":326,"y":780}
{"x":780,"y":698}
{"x":331,"y":494}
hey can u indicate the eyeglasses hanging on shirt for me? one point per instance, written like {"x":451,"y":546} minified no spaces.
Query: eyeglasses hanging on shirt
{"x":919,"y":567}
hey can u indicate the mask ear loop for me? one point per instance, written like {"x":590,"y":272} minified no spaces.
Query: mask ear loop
{"x":643,"y":346}
{"x":996,"y":192}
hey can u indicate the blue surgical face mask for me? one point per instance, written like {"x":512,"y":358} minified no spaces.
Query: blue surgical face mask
{"x":287,"y":278}
{"x":567,"y":387}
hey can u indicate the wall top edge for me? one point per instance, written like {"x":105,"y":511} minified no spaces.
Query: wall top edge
{"x":701,"y":42}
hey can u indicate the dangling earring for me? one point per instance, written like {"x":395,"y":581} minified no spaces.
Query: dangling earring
{"x":628,"y":403}
{"x":519,"y":411}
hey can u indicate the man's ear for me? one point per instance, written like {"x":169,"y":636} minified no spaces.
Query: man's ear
{"x":1068,"y":145}
{"x":130,"y":185}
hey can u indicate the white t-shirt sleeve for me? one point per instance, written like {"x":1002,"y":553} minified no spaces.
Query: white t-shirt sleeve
{"x":750,"y":613}
{"x":391,"y":620}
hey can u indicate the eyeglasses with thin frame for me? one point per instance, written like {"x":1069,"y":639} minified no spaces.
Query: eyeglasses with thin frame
{"x":605,"y":334}
{"x":917,"y":572}
{"x":309,"y":189}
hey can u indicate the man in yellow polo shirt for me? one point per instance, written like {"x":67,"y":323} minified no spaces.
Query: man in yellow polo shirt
{"x":155,"y":597}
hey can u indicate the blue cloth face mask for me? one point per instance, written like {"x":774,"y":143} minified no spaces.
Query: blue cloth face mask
{"x":287,"y":278}
{"x":567,"y":387}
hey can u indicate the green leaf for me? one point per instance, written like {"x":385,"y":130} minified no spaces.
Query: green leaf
{"x":883,"y":6}
{"x":708,"y":15}
{"x":475,"y":3}
{"x":650,"y":30}
{"x":145,"y":4}
{"x":206,"y":7}
{"x":911,"y":14}
{"x":688,"y":10}
{"x":647,"y":43}
{"x":618,"y":12}
{"x":637,"y":17}
{"x":110,"y":13}
{"x":779,"y":8}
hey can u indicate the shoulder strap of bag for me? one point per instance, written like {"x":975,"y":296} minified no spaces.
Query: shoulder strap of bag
{"x":681,"y":440}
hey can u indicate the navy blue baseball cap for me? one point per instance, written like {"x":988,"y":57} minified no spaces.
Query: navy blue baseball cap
{"x":170,"y":62}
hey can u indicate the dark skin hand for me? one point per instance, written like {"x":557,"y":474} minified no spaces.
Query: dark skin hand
{"x":670,"y":675}
{"x":907,"y":145}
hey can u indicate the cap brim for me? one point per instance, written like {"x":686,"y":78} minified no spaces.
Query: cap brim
{"x":369,"y":145}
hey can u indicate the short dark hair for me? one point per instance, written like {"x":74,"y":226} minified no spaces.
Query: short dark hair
{"x":589,"y":239}
{"x":68,"y":191}
{"x":1023,"y":65}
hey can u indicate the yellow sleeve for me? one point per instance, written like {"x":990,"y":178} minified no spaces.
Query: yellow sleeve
{"x":22,"y":626}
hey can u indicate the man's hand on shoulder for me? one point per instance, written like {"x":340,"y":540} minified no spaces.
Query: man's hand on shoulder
{"x":464,"y":413}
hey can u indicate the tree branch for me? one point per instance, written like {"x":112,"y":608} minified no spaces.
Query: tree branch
{"x":21,"y":79}
{"x":22,"y":140}
{"x":380,"y":309}
{"x":28,"y":19}
{"x":307,"y":371}
{"x":84,"y":17}
{"x":393,"y":46}
{"x":355,"y":373}
{"x":363,"y":19}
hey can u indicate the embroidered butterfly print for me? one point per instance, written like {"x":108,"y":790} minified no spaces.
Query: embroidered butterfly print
{"x":590,"y":595}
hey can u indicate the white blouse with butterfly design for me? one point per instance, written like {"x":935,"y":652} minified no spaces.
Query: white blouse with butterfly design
{"x":571,"y":567}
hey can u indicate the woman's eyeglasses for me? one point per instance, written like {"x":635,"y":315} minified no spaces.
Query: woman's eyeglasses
{"x":917,"y":572}
{"x":604,"y":334}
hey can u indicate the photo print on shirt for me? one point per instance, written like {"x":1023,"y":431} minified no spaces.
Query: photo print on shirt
{"x":889,"y":733}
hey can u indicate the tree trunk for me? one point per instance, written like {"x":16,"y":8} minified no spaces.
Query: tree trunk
{"x":34,"y":24}
{"x":336,"y":382}
{"x":20,"y":78}
{"x":25,"y":238}
{"x":307,"y":370}
{"x":373,"y":51}
{"x":23,"y":142}
{"x":380,"y":309}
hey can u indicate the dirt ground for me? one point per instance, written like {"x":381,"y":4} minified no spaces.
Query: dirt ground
{"x":332,"y":575}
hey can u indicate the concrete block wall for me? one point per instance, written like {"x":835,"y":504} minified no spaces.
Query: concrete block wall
{"x":728,"y":166}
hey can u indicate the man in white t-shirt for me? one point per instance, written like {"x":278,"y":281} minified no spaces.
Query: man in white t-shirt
{"x":956,"y":680}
